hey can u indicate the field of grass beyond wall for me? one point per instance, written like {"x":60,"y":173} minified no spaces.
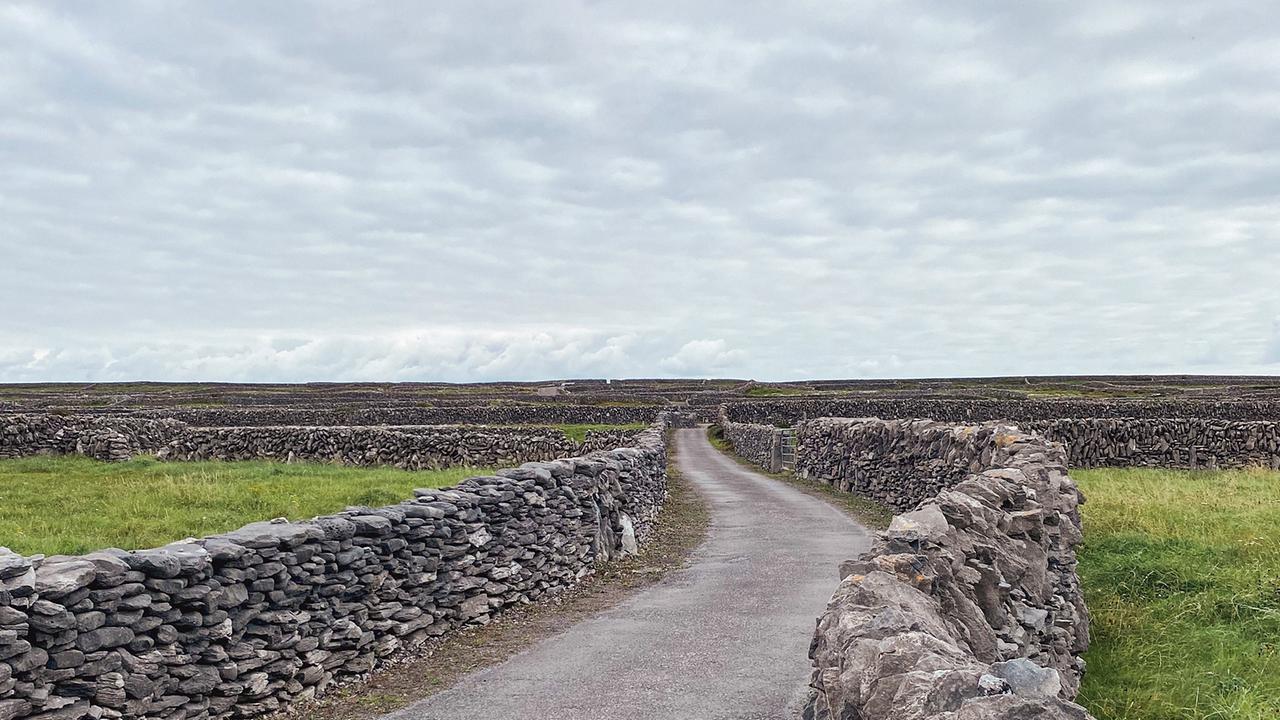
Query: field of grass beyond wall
{"x":73,"y":504}
{"x":1181,"y":571}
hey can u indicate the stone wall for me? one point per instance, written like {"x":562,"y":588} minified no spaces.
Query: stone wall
{"x":969,"y":605}
{"x":789,"y":412}
{"x":1179,"y":440}
{"x":408,"y":447}
{"x":760,"y":445}
{"x":1168,"y":442}
{"x":248,"y":622}
{"x":105,"y":438}
{"x":474,"y":415}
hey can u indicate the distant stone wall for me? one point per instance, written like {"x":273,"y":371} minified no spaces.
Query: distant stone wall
{"x":552,"y":413}
{"x":979,"y":410}
{"x":969,"y":605}
{"x":248,"y":622}
{"x":1179,"y":440}
{"x":1167,"y":442}
{"x":681,"y":419}
{"x":104,"y":438}
{"x":407,"y":447}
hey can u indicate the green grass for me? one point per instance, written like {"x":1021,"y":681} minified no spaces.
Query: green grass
{"x":1181,"y":572}
{"x":72,"y":505}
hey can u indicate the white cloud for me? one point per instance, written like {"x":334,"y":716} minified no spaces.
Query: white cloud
{"x":296,"y":190}
{"x":703,"y":358}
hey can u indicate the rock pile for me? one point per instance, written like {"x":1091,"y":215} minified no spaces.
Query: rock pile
{"x":246,"y":623}
{"x":969,"y":606}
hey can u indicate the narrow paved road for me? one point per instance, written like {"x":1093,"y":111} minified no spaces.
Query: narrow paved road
{"x":725,"y":638}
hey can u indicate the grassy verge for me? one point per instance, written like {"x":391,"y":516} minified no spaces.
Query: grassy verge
{"x":69,"y":505}
{"x":871,"y":514}
{"x":1181,"y":572}
{"x":680,"y":527}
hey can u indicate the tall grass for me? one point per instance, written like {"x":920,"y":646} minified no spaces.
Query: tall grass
{"x":1181,"y":571}
{"x":71,"y":505}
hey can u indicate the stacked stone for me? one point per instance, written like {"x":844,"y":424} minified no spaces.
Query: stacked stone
{"x":758,"y":444}
{"x":410,"y":448}
{"x":245,"y":623}
{"x":548,"y":413}
{"x":687,"y":419}
{"x":596,"y":440}
{"x":1168,"y":442}
{"x":979,"y":410}
{"x":416,"y":448}
{"x":897,"y":463}
{"x":970,"y":605}
{"x":107,"y":438}
{"x":104,"y":444}
{"x":1108,"y":441}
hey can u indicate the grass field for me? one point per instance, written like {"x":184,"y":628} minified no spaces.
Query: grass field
{"x":1181,"y":572}
{"x":69,"y":505}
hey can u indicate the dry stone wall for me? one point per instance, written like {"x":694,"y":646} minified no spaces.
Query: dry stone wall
{"x":969,"y":605}
{"x":1168,"y":442}
{"x":1178,"y":440}
{"x":759,"y":444}
{"x":104,"y":438}
{"x":248,"y":622}
{"x":453,"y":415}
{"x":411,"y":448}
{"x":789,"y":412}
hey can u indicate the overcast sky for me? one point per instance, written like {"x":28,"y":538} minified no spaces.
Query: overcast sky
{"x":282,"y":191}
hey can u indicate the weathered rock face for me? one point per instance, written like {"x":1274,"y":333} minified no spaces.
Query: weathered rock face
{"x":245,"y":623}
{"x":105,"y":438}
{"x":969,"y":606}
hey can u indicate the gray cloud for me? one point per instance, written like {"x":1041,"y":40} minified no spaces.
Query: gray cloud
{"x":290,"y":191}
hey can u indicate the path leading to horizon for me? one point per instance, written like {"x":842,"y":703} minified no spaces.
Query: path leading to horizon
{"x":725,"y":637}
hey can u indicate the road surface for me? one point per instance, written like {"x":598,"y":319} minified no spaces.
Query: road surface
{"x":725,"y":637}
